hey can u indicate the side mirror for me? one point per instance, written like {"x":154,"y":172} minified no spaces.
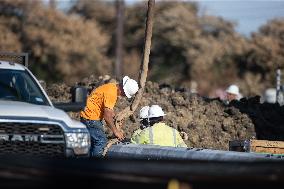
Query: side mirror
{"x":79,"y":97}
{"x":79,"y":94}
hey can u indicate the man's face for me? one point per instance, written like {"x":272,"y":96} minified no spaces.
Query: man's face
{"x":121,"y":91}
{"x":231,"y":96}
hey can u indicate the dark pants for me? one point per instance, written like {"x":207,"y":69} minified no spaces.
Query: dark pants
{"x":98,"y":137}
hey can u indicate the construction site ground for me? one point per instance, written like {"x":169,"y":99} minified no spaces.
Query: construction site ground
{"x":209,"y":123}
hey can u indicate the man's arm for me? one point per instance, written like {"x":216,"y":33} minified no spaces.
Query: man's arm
{"x":108,"y":117}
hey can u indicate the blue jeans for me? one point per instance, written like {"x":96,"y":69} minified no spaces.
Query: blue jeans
{"x":98,"y":137}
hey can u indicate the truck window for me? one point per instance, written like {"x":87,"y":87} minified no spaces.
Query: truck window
{"x":18,"y":85}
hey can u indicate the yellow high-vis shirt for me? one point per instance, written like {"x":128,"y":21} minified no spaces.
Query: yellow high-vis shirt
{"x":132,"y":140}
{"x":102,"y":97}
{"x":159,"y":134}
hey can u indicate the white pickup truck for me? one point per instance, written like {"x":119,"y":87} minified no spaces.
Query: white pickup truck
{"x":30,"y":124}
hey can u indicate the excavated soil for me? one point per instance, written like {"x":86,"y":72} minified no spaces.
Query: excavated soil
{"x":209,"y":123}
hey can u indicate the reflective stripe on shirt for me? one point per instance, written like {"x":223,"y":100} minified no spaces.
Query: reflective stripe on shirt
{"x":151,"y":137}
{"x":175,"y":137}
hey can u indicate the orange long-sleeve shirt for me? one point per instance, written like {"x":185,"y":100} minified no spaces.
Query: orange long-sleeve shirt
{"x":102,"y":97}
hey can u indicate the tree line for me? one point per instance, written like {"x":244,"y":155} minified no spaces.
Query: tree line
{"x":187,"y":47}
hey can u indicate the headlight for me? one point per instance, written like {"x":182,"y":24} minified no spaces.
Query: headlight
{"x":79,"y":142}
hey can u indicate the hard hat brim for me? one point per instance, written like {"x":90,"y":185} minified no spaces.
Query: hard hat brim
{"x":157,"y":116}
{"x":126,"y":94}
{"x":232,"y":93}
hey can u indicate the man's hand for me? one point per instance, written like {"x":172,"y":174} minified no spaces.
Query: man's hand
{"x":109,"y":118}
{"x":119,"y":134}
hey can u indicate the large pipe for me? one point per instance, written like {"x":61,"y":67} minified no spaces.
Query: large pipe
{"x":151,"y":152}
{"x":30,"y":172}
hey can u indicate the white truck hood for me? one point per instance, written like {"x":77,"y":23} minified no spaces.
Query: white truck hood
{"x":22,"y":109}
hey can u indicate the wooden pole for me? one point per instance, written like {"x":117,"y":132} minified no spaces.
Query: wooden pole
{"x":143,"y":68}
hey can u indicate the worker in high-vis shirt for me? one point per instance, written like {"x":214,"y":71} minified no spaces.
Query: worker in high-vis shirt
{"x":157,"y":132}
{"x":99,"y":106}
{"x":144,"y":121}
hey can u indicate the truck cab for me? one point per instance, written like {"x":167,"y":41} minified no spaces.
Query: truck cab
{"x":29,"y":122}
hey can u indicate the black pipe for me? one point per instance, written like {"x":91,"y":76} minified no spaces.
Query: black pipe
{"x":152,"y":152}
{"x":18,"y":171}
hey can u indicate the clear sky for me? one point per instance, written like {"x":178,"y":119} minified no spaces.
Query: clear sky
{"x":247,"y":14}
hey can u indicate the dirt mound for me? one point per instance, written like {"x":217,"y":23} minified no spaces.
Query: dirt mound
{"x":209,"y":123}
{"x":267,"y":118}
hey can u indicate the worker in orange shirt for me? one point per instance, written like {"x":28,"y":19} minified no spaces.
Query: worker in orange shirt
{"x":99,"y":106}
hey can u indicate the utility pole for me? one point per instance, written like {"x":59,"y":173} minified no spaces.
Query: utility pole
{"x":279,"y":89}
{"x":52,"y":4}
{"x":119,"y":38}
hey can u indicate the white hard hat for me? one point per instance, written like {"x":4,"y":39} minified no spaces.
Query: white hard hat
{"x":270,"y":95}
{"x":144,"y":112}
{"x":156,"y":111}
{"x":233,"y":89}
{"x":130,"y":86}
